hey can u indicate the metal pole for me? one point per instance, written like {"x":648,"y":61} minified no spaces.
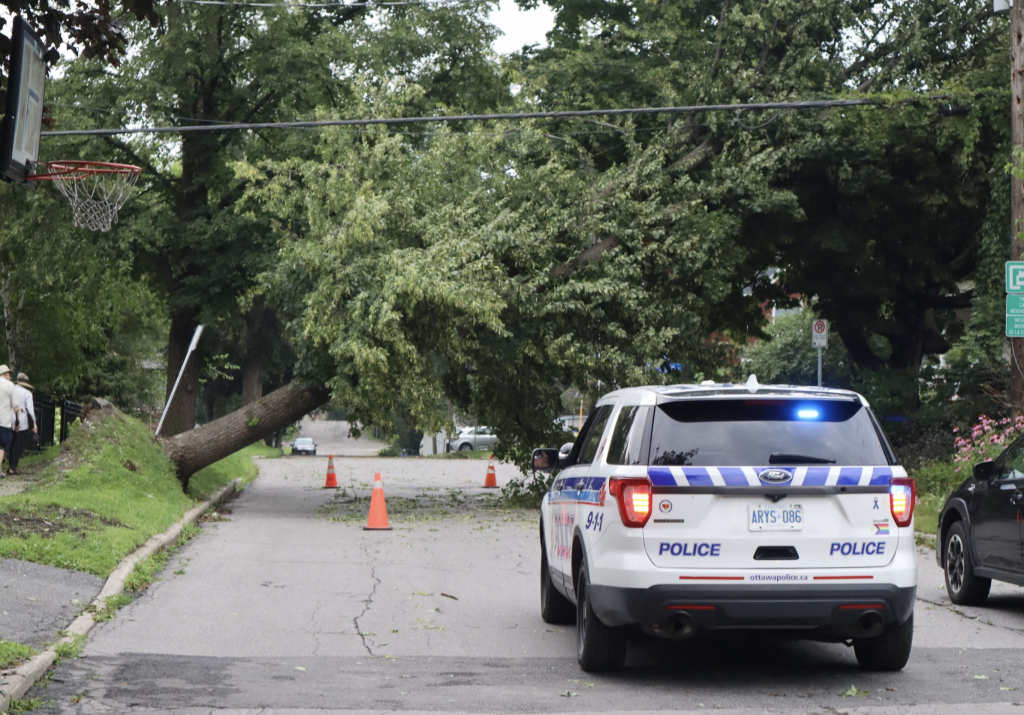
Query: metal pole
{"x":819,"y":367}
{"x":195,"y":342}
{"x":1016,"y":187}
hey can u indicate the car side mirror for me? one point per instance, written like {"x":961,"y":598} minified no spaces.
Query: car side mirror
{"x":984,"y":470}
{"x":544,"y":460}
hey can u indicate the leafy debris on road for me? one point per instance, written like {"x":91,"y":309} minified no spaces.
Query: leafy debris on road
{"x":569,"y":694}
{"x":448,"y":595}
{"x":853,"y":692}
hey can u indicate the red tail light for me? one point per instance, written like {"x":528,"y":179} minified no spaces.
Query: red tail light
{"x":902,"y":495}
{"x":634,"y":498}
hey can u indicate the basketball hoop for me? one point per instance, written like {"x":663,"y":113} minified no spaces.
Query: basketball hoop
{"x":95,"y":189}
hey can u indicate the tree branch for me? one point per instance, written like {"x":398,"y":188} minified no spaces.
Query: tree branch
{"x":150,"y":169}
{"x":945,"y":302}
{"x":718,"y":45}
{"x":764,"y":50}
{"x":866,"y":84}
{"x":588,"y":256}
{"x":697,"y":156}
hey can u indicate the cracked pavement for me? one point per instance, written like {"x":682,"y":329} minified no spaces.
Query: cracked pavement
{"x":290,"y":607}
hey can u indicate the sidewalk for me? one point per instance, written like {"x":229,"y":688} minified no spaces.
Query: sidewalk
{"x":38,"y":601}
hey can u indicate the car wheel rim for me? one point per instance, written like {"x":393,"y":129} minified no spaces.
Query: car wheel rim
{"x":955,"y":563}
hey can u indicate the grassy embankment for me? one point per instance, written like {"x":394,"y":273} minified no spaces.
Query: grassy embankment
{"x":109,"y":490}
{"x":105,"y":491}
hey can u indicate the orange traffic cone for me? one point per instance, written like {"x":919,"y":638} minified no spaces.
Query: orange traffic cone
{"x":491,"y":480}
{"x":378,"y":520}
{"x":332,"y":478}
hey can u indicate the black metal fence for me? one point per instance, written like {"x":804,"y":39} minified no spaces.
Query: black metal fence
{"x":54,"y":419}
{"x":69,"y":412}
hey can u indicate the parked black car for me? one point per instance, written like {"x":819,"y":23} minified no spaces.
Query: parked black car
{"x":979,"y":534}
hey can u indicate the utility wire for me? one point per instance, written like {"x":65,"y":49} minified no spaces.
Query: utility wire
{"x":340,"y":5}
{"x":633,"y":111}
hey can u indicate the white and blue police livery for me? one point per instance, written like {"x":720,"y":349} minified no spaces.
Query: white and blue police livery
{"x":689,"y":509}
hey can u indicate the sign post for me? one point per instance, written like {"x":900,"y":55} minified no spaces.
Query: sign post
{"x":819,"y":339}
{"x":170,"y":398}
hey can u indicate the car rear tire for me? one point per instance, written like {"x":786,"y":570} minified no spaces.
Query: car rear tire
{"x":465,"y":447}
{"x":888,"y":651}
{"x":554,"y":607}
{"x":598,"y":647}
{"x":963,"y":587}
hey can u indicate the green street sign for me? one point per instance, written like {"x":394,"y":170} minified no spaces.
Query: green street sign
{"x":1015,"y":304}
{"x":1015,"y":326}
{"x":1015,"y":276}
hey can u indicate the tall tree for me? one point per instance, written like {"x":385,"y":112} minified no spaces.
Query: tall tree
{"x":237,"y":64}
{"x":75,"y":318}
{"x":896,"y":196}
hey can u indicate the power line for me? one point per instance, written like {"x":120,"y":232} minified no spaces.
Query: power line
{"x":632,"y":111}
{"x":229,"y":3}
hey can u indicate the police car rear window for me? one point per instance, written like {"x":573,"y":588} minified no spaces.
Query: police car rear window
{"x":760,"y":432}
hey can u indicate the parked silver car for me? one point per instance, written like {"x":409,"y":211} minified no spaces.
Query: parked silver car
{"x":472,"y":438}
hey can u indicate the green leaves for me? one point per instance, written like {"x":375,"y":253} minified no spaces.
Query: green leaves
{"x":490,"y":269}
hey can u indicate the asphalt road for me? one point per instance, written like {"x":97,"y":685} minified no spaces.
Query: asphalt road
{"x":289,"y":606}
{"x":333,"y":438}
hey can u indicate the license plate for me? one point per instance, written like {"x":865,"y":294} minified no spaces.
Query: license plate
{"x":775,"y":517}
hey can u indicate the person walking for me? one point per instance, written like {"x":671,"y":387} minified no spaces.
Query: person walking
{"x":25,"y":421}
{"x":8,"y":411}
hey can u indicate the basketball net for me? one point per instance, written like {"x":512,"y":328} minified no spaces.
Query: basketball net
{"x":95,"y":190}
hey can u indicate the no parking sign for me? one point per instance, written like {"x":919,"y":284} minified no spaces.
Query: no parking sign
{"x":819,"y":334}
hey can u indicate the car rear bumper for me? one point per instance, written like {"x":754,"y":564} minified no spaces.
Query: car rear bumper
{"x":834,"y":607}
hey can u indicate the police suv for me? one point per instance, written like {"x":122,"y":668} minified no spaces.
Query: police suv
{"x":685,"y":509}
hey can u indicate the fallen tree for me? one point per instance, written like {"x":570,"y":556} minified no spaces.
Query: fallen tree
{"x":191,"y":451}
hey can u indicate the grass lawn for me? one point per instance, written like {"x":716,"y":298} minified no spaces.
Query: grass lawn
{"x":108,"y":491}
{"x":466,"y":454}
{"x":926,"y":513}
{"x":934,"y":481}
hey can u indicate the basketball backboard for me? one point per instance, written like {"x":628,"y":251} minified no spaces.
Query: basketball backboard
{"x":23,"y":117}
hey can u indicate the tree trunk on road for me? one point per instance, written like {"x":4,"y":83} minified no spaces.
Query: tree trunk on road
{"x":201,"y":447}
{"x":181,"y":414}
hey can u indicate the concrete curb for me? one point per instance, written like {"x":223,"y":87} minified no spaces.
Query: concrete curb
{"x":26,"y":675}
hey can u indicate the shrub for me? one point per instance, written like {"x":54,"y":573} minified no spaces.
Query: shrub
{"x":987,"y":440}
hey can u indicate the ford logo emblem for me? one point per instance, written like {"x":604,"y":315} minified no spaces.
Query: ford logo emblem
{"x":775,"y":476}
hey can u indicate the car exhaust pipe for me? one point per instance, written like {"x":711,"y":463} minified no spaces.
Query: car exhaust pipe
{"x":870,"y":625}
{"x":676,"y":628}
{"x":680,"y":626}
